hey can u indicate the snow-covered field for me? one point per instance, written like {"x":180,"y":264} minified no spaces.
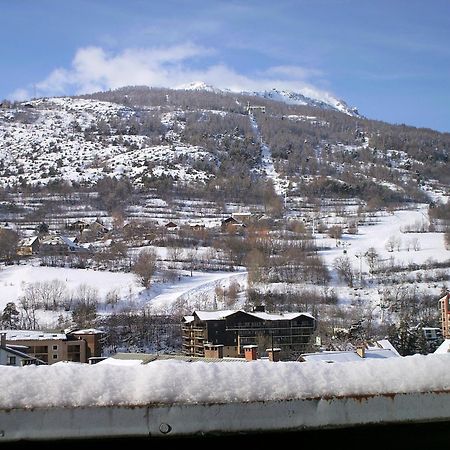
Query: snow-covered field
{"x":431,"y":246}
{"x":15,"y":279}
{"x":185,"y":291}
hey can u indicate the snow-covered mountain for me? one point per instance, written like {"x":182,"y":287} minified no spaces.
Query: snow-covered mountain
{"x":320,"y":100}
{"x":201,"y":86}
{"x":317,"y":99}
{"x":188,"y":135}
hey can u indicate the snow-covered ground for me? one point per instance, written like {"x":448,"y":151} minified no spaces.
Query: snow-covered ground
{"x":267,"y":165}
{"x":15,"y":279}
{"x":430,"y":246}
{"x":198,"y":289}
{"x":185,"y":291}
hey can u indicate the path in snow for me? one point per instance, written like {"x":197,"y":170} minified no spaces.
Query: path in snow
{"x":190,"y":288}
{"x":267,"y":161}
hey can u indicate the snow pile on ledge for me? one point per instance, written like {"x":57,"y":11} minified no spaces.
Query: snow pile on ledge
{"x":72,"y":384}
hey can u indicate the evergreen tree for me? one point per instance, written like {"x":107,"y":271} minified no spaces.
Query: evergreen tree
{"x":10,"y":316}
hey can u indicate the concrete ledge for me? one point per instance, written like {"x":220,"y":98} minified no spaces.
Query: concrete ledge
{"x":199,"y":419}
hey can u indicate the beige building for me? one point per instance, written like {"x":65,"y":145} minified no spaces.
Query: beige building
{"x":444,"y":307}
{"x":77,"y":346}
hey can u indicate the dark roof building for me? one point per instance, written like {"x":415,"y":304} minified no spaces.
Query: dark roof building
{"x":290,"y":332}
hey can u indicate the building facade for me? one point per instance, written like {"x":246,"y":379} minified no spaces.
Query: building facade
{"x":290,"y":332}
{"x":76,"y":346}
{"x":444,"y":307}
{"x":13,"y":356}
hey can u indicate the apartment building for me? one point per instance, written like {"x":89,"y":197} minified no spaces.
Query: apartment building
{"x":77,"y":346}
{"x":233,"y":330}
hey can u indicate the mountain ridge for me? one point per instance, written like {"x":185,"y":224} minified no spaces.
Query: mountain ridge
{"x":323,"y":100}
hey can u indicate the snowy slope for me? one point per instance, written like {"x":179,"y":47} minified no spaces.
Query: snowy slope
{"x":305,"y":96}
{"x":310,"y":98}
{"x":49,"y":140}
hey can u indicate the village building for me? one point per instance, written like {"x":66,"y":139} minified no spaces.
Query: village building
{"x":14,"y":355}
{"x":59,"y":245}
{"x":170,"y":226}
{"x":231,"y":224}
{"x":29,"y":246}
{"x":78,"y":225}
{"x":77,"y":346}
{"x":444,"y":307}
{"x":234,"y":329}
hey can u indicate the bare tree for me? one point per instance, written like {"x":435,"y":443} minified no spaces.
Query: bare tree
{"x":372,"y":258}
{"x":390,"y":243}
{"x":144,"y":266}
{"x":344,"y":269}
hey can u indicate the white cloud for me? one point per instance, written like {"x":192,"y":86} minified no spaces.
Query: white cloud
{"x":19,"y":95}
{"x":94,"y":69}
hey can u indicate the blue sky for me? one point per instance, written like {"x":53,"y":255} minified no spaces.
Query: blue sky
{"x":390,"y":59}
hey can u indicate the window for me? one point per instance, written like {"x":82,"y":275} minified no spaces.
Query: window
{"x":55,"y":347}
{"x":41,"y":349}
{"x":11,"y":361}
{"x":55,"y":356}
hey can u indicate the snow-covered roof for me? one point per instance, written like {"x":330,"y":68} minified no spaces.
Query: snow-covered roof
{"x":384,"y":344}
{"x":331,"y":357}
{"x":444,"y":347}
{"x":280,"y":316}
{"x":88,"y":331}
{"x":120,"y":362}
{"x":28,"y":242}
{"x":214,"y":315}
{"x":25,"y":335}
{"x":14,"y":351}
{"x":188,"y":319}
{"x":348,"y":356}
{"x":219,"y":315}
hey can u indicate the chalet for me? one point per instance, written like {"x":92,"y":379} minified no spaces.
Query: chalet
{"x":97,"y":229}
{"x":235,"y":329}
{"x":231,"y":224}
{"x":59,"y":245}
{"x":50,"y":348}
{"x":29,"y":246}
{"x":78,"y":225}
{"x":171,"y":226}
{"x":197,"y":226}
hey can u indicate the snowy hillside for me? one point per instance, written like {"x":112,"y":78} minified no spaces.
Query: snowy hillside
{"x":50,"y":140}
{"x":309,"y":98}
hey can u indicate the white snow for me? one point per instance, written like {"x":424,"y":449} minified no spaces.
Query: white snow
{"x":444,"y":348}
{"x":391,"y":225}
{"x":188,"y":289}
{"x":170,"y":381}
{"x":267,"y":165}
{"x":21,"y":335}
{"x":14,"y":280}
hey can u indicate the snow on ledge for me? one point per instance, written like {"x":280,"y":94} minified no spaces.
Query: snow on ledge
{"x":167,"y":382}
